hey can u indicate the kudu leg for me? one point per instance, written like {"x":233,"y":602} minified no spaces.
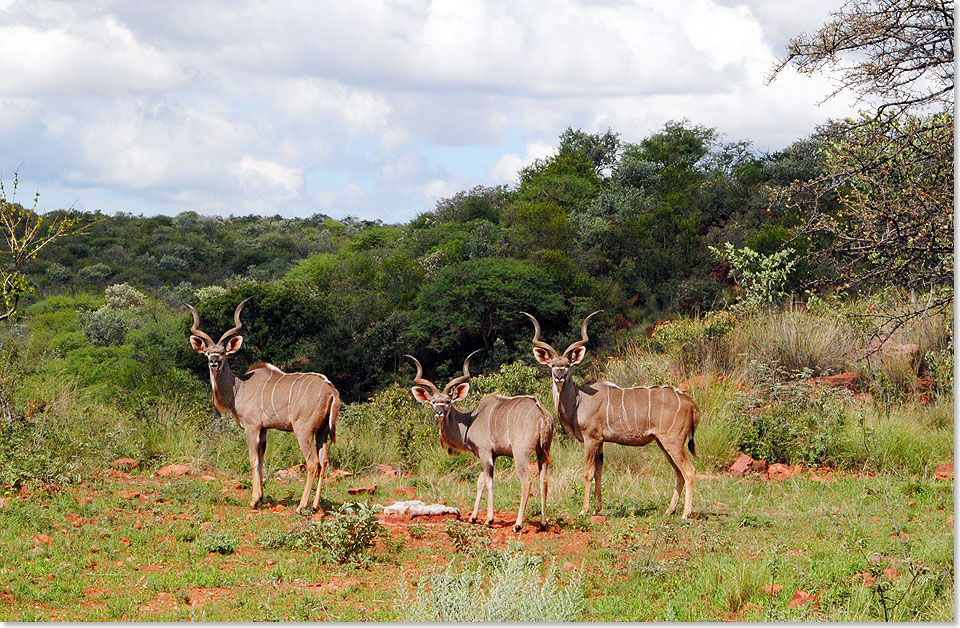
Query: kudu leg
{"x":309,"y":449}
{"x":544,"y":468}
{"x":591,"y":450}
{"x":596,"y":479}
{"x":261,"y":454}
{"x":523,"y":472}
{"x":253,"y":449}
{"x":481,"y":483}
{"x":679,"y":487}
{"x":689,"y":474}
{"x":323,"y":471}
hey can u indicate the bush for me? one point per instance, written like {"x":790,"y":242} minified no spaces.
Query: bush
{"x":514,"y":592}
{"x":219,"y":542}
{"x":344,"y":538}
{"x":123,"y":296}
{"x":104,"y":327}
{"x":788,"y":421}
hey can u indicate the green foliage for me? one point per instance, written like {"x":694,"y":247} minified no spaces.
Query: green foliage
{"x":344,"y":538}
{"x":513,"y":592}
{"x":789,"y":423}
{"x":218,"y":542}
{"x":104,"y":327}
{"x":762,"y":277}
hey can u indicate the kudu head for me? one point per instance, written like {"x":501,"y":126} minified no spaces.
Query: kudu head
{"x":216,"y":352}
{"x":441,"y":400}
{"x":560,"y":363}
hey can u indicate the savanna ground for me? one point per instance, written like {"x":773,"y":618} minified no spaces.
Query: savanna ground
{"x":131,"y":545}
{"x":863,"y":533}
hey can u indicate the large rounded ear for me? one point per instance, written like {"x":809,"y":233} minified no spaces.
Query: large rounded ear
{"x":576,"y":355}
{"x":541,"y":355}
{"x":198,"y":344}
{"x":460,"y":391}
{"x":234,"y":344}
{"x":420,"y":394}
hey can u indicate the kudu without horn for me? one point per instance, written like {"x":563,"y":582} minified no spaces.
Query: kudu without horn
{"x":265,"y":397}
{"x":602,"y":412}
{"x":516,"y":427}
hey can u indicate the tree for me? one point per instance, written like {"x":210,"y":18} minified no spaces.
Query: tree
{"x":25,"y":233}
{"x":883,"y":204}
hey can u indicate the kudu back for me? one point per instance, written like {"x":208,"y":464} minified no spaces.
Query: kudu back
{"x":603,"y":412}
{"x":265,"y":397}
{"x":516,"y":427}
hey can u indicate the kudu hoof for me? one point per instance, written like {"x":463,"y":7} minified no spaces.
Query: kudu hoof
{"x":488,"y":522}
{"x":517,"y":527}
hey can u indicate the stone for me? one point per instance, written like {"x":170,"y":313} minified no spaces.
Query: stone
{"x":778,"y":471}
{"x":129,"y":494}
{"x":356,"y":490}
{"x":598,"y":519}
{"x":741,"y":465}
{"x":386,"y":470}
{"x":773,"y":590}
{"x":801,"y":598}
{"x":126,"y":463}
{"x":43,"y":539}
{"x":849,"y":380}
{"x":173,"y":470}
{"x":944,"y":471}
{"x":340,"y":473}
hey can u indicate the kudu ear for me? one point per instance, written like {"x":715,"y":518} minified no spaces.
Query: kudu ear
{"x":541,"y":355}
{"x":234,"y":344}
{"x":460,"y":391}
{"x":420,"y":394}
{"x":198,"y":344}
{"x":576,"y":355}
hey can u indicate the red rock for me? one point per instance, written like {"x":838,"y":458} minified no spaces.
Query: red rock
{"x":950,"y":521}
{"x":741,"y":465}
{"x":206,"y":525}
{"x":698,"y":381}
{"x":386,"y":470}
{"x":340,"y":473}
{"x":3,"y":502}
{"x":944,"y":471}
{"x":356,"y":490}
{"x":138,"y":525}
{"x":748,"y":607}
{"x":173,"y":470}
{"x":126,"y":463}
{"x":891,"y":573}
{"x":43,"y":539}
{"x":849,"y":380}
{"x":286,"y":474}
{"x":568,"y":566}
{"x":866,"y":577}
{"x":129,"y":494}
{"x":778,"y":471}
{"x":802,"y":597}
{"x":124,"y":540}
{"x":773,"y":590}
{"x":598,"y":519}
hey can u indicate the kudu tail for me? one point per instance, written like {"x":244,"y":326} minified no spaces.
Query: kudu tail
{"x":334,"y":413}
{"x":691,"y":445}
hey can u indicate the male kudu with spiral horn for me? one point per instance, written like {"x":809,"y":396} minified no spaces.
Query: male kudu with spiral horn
{"x":517,"y":427}
{"x":265,"y":398}
{"x":602,"y":412}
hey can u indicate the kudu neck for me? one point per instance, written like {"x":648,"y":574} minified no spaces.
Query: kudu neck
{"x":454,"y":429}
{"x":224,"y":384}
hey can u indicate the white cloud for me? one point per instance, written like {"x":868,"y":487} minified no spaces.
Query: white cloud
{"x":214,"y":106}
{"x":507,"y":167}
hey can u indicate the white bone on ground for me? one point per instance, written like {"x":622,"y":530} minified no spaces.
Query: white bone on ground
{"x":416,"y":507}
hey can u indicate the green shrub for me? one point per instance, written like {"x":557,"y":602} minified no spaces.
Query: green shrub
{"x":513,"y":592}
{"x":104,"y":327}
{"x":344,"y":538}
{"x":123,"y":296}
{"x":696,"y":344}
{"x":789,"y":422}
{"x":219,"y":542}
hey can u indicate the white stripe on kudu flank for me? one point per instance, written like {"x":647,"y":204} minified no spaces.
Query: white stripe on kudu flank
{"x":677,"y":413}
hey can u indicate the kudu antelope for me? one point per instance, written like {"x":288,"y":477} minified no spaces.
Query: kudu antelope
{"x":517,"y":427}
{"x":602,"y":412}
{"x":265,"y":398}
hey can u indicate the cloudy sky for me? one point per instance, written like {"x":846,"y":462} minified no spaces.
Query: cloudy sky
{"x":370,"y":109}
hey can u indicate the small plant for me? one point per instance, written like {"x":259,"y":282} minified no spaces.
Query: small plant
{"x":515,"y":591}
{"x":468,"y":539}
{"x":218,"y":542}
{"x":763,"y":277}
{"x":416,"y":531}
{"x":344,"y":538}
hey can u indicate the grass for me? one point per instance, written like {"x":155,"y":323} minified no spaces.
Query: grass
{"x":151,"y":558}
